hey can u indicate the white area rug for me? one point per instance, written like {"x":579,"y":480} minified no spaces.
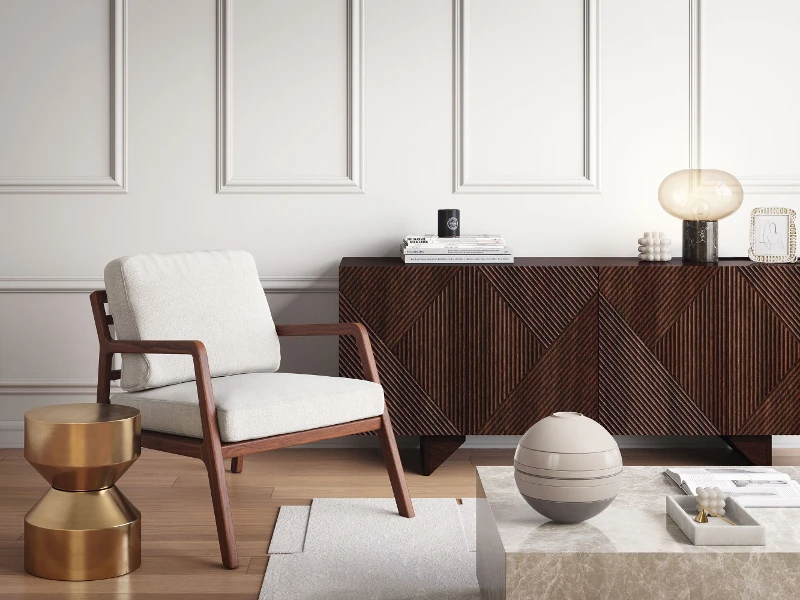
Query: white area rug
{"x":354,"y":549}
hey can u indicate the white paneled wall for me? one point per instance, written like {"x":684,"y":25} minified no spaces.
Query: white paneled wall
{"x":63,"y":96}
{"x":526,"y":71}
{"x":746,"y":101}
{"x":309,"y":130}
{"x":311,"y":54}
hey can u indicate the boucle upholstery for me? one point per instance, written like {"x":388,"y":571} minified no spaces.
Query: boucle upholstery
{"x":215,"y":297}
{"x":257,"y":405}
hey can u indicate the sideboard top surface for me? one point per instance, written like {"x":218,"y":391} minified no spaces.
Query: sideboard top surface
{"x":524,"y":261}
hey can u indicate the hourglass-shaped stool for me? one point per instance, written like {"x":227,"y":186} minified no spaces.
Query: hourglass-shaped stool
{"x":83,"y":527}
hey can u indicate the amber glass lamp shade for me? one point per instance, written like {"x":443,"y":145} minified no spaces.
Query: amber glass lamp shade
{"x":700,"y":197}
{"x":700,"y":194}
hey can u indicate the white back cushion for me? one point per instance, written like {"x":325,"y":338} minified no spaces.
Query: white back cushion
{"x":215,"y":297}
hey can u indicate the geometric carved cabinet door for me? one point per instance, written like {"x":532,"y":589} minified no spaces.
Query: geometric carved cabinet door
{"x":699,"y":350}
{"x":478,"y":349}
{"x":645,"y":348}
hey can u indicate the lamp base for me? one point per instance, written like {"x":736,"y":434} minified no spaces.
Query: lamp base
{"x":700,"y":241}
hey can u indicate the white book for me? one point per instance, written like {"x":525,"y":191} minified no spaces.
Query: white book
{"x":429,"y":238}
{"x":453,"y":242}
{"x":458,"y":259}
{"x":487,"y":247}
{"x":751,"y":486}
{"x":432,"y":249}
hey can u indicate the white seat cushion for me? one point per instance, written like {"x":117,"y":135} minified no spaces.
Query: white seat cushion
{"x":215,"y":297}
{"x":256,"y":405}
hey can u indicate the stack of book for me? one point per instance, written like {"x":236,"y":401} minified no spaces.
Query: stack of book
{"x":466,"y":249}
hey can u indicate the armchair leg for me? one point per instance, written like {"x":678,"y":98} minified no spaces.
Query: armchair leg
{"x":237,"y":464}
{"x":222,"y":507}
{"x":392,"y":458}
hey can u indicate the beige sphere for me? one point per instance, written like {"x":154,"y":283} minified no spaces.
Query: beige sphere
{"x":568,"y":467}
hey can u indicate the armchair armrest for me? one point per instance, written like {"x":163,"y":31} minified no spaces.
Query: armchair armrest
{"x":202,"y":373}
{"x":357,"y":330}
{"x":192,"y":347}
{"x":211,"y":451}
{"x":354,"y":329}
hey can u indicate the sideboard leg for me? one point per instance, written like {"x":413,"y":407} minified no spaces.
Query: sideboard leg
{"x":756,"y":448}
{"x":436,"y":449}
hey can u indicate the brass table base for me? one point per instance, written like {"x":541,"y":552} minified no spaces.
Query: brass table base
{"x":77,"y":536}
{"x":83,"y":528}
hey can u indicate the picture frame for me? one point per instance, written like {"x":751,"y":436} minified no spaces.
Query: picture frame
{"x":773,"y":236}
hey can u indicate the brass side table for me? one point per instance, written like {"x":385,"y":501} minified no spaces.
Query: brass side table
{"x":83,"y":527}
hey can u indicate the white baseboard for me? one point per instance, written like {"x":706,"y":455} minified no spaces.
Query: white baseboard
{"x":11,"y":436}
{"x":786,"y":441}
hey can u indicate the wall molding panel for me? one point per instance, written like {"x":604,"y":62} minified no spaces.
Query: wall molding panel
{"x":227,"y":181}
{"x":589,"y":182}
{"x":117,"y":181}
{"x":52,"y":387}
{"x":289,"y":284}
{"x":77,"y":390}
{"x":783,"y":184}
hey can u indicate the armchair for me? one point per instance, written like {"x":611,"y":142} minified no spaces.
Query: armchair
{"x":258,"y":409}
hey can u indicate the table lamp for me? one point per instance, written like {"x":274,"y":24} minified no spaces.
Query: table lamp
{"x":700,"y":197}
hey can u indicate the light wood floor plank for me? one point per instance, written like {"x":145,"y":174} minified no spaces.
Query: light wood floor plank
{"x":180,"y":552}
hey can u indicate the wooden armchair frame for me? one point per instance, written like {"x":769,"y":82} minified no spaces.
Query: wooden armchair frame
{"x":211,"y":450}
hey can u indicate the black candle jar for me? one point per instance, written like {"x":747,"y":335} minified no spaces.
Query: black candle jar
{"x":449,"y":222}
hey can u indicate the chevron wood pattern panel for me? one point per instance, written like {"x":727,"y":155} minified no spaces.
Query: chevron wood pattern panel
{"x":391,"y":300}
{"x":717,"y":342}
{"x":650,"y":297}
{"x":728,"y":350}
{"x":469,"y":350}
{"x":530,"y":291}
{"x":779,"y":287}
{"x":638,"y":396}
{"x":564,"y":379}
{"x":466,"y":351}
{"x":410,"y":406}
{"x":647,"y":349}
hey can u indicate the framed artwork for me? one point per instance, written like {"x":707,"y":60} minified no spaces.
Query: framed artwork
{"x":773,"y":237}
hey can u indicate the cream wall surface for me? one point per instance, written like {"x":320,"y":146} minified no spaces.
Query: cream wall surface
{"x":309,"y":130}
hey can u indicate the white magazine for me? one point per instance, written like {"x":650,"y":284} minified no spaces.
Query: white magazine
{"x":751,"y":486}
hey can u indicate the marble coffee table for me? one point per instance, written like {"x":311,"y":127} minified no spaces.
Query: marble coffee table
{"x":632,"y":550}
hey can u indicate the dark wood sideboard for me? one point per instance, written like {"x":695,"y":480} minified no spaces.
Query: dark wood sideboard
{"x":644,"y":348}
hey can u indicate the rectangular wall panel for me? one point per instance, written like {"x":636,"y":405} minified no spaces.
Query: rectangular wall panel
{"x":746,"y":91}
{"x":63,"y":72}
{"x":290,"y":96}
{"x":526,"y":109}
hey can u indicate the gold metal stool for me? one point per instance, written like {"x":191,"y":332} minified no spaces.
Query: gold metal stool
{"x":83,"y":527}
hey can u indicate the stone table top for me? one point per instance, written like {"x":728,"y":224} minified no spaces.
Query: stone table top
{"x":636,"y":521}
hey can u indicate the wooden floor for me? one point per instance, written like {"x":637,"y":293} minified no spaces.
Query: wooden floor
{"x":180,"y":554}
